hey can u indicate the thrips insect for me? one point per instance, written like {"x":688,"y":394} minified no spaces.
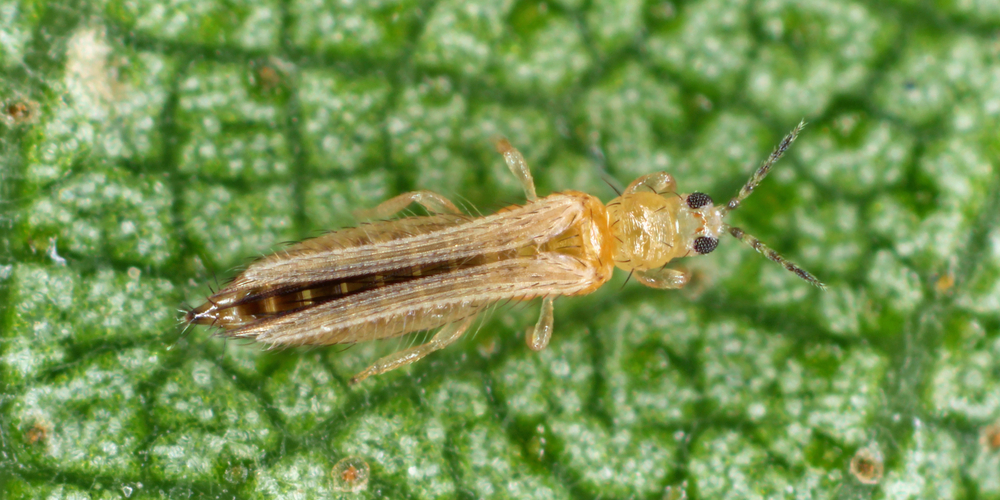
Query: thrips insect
{"x":393,"y":277}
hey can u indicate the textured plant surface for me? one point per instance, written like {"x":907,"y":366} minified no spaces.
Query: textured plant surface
{"x":148,"y":149}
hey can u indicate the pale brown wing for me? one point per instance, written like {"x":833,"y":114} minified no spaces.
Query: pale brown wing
{"x":373,"y":233}
{"x":425,"y":303}
{"x":333,"y":257}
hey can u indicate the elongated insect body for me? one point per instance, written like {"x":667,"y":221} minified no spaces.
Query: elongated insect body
{"x":393,"y":277}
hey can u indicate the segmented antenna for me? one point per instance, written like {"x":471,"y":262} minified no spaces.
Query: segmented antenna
{"x":747,"y":189}
{"x":766,"y":251}
{"x":763,"y":169}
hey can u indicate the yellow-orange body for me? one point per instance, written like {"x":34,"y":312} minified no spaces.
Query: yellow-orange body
{"x":393,"y":277}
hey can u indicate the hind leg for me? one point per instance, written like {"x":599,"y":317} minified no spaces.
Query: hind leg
{"x":433,"y":202}
{"x":447,"y":335}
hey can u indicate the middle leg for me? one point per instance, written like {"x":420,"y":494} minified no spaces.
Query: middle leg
{"x":539,"y":336}
{"x":433,"y":202}
{"x":518,"y":166}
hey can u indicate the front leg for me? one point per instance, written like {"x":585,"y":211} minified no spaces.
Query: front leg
{"x":663,"y":278}
{"x":657,"y":182}
{"x":433,"y":202}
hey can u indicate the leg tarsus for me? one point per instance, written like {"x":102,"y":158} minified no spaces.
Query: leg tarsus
{"x":663,"y":278}
{"x":517,"y":165}
{"x":443,"y":338}
{"x":433,"y":202}
{"x":539,"y":336}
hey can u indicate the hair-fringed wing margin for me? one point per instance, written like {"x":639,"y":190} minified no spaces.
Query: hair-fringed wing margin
{"x":511,"y":228}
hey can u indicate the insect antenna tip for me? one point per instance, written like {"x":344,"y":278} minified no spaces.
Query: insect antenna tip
{"x":773,"y":256}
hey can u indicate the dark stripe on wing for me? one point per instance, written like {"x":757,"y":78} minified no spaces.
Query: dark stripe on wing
{"x":275,"y":302}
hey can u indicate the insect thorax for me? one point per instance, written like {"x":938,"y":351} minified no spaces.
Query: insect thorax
{"x":645,"y":230}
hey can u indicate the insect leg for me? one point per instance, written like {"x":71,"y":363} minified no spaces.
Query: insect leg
{"x":539,"y":336}
{"x":658,"y":182}
{"x":443,"y":338}
{"x":430,"y":200}
{"x":663,"y":278}
{"x":517,"y":165}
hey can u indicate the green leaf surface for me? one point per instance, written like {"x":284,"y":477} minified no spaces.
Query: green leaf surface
{"x":149,"y":149}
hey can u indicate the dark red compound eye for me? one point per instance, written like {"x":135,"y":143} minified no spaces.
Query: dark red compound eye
{"x":698,"y":200}
{"x":704,"y":244}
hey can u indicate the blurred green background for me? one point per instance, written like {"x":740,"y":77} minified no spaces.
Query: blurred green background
{"x":148,"y":149}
